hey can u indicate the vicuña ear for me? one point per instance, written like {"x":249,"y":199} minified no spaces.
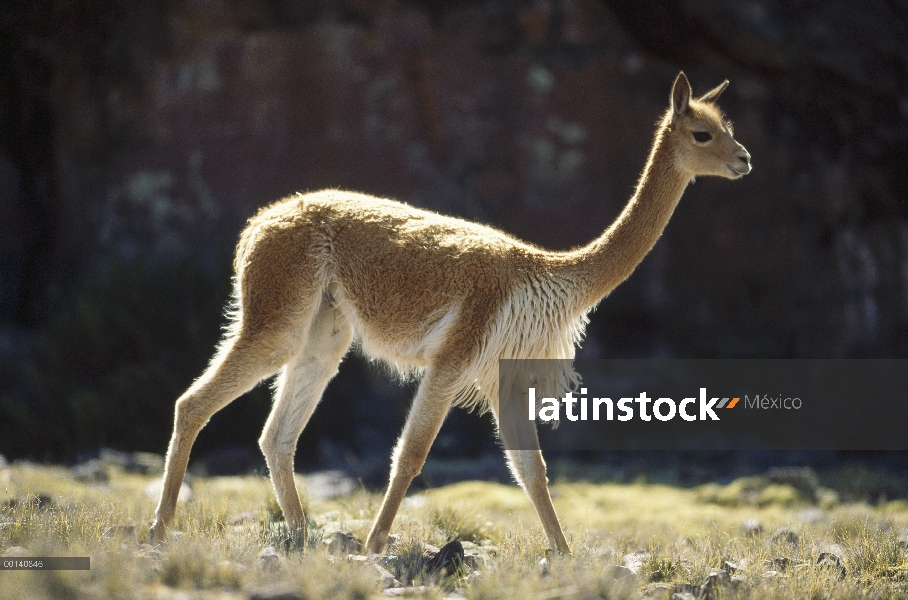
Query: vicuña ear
{"x":680,"y":96}
{"x":713,"y":94}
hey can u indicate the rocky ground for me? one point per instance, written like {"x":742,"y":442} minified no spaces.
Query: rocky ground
{"x":783,"y":534}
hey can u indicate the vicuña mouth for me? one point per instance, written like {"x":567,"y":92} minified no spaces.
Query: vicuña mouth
{"x":739,"y":171}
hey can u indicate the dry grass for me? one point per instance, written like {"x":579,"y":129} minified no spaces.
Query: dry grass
{"x":682,"y":534}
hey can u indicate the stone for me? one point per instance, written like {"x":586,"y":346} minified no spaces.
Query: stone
{"x":803,"y":479}
{"x":658,"y":591}
{"x":397,"y":592}
{"x":243,"y":517}
{"x":712,"y":586}
{"x":752,"y":527}
{"x":634,"y":560}
{"x":269,"y":559}
{"x":145,"y":463}
{"x":327,"y":485}
{"x":784,"y":536}
{"x":827,"y":560}
{"x":344,"y":542}
{"x":620,"y":572}
{"x":91,"y":471}
{"x":474,"y":562}
{"x":810,"y":515}
{"x":16,"y":551}
{"x":780,"y":563}
{"x":687,"y":588}
{"x":385,"y":578}
{"x":280,"y":591}
{"x":448,"y":560}
{"x":153,"y":490}
{"x":122,"y":532}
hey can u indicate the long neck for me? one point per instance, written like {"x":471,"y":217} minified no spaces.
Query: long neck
{"x":596,"y":269}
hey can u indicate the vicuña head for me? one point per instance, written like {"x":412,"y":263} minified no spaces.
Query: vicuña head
{"x":700,"y":136}
{"x":434,"y":296}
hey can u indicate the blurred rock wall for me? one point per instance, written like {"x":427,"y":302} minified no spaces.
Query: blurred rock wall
{"x":137,"y":137}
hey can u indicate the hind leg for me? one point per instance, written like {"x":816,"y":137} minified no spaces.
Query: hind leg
{"x":240,"y":363}
{"x":298,"y":391}
{"x":521,"y":445}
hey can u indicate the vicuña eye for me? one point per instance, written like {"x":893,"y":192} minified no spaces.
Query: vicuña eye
{"x":702,"y":136}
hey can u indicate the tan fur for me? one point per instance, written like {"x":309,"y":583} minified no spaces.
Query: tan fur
{"x":427,"y":294}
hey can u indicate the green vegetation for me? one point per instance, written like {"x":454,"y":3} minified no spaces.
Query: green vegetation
{"x":676,"y":536}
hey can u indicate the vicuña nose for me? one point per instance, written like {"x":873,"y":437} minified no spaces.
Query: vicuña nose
{"x":743,"y":155}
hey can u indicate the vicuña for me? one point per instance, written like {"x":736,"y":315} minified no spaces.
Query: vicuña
{"x":428,"y":294}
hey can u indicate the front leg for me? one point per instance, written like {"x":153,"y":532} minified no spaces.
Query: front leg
{"x":428,"y":412}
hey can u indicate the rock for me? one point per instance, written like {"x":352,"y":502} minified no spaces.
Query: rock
{"x":713,"y":585}
{"x":544,"y":567}
{"x":783,"y":563}
{"x":244,"y":517}
{"x":280,"y":591}
{"x":326,"y":485}
{"x":16,"y":551}
{"x":619,"y":572}
{"x":429,"y":549}
{"x":752,"y":527}
{"x":269,"y":559}
{"x":731,"y":567}
{"x":474,"y":562}
{"x":683,"y":596}
{"x":397,"y":592}
{"x":803,"y":479}
{"x":145,"y":463}
{"x":344,"y":542}
{"x":687,"y":588}
{"x":658,"y":591}
{"x":149,"y":551}
{"x":153,"y":490}
{"x":385,"y":578}
{"x":448,"y":560}
{"x":123,"y":532}
{"x":811,"y":515}
{"x":91,"y":471}
{"x":634,"y":560}
{"x":39,"y":502}
{"x":827,"y":560}
{"x":784,"y":536}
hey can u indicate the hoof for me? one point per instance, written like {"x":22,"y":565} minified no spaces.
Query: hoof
{"x":158,"y":533}
{"x":376,"y":544}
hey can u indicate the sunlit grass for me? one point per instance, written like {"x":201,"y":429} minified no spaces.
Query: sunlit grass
{"x":681,"y":535}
